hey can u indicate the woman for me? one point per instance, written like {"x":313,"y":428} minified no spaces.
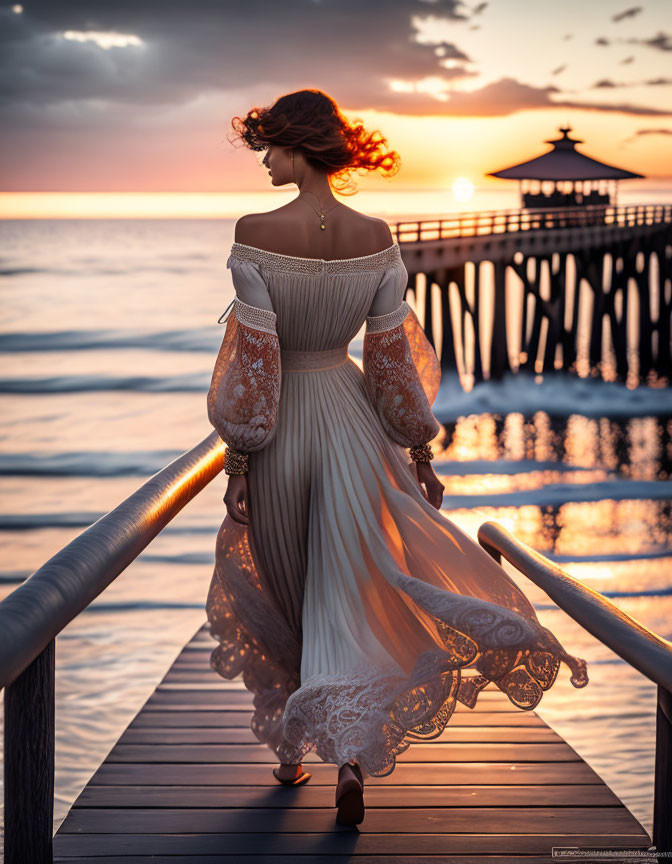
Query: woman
{"x":350,"y":605}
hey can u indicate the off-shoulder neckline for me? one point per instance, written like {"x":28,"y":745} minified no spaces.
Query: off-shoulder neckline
{"x":373,"y":255}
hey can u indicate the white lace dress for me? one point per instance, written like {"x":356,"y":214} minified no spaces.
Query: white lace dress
{"x":355,"y":611}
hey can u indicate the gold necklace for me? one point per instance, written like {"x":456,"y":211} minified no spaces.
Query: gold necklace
{"x":323,"y":224}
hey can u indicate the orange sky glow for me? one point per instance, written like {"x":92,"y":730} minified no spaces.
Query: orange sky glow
{"x":465,"y":91}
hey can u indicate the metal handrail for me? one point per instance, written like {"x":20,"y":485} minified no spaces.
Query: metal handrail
{"x":48,"y":600}
{"x":643,"y":649}
{"x":487,"y":222}
{"x":42,"y":606}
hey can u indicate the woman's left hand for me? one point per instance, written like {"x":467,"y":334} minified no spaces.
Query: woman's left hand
{"x":434,"y":487}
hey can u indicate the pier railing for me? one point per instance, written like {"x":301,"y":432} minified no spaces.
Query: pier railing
{"x":643,"y":649}
{"x":484,"y":222}
{"x":41,"y":607}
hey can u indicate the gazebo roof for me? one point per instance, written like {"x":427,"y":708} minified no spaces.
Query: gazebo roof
{"x":563,"y":162}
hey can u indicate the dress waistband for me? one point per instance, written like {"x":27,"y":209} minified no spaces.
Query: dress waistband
{"x":306,"y":361}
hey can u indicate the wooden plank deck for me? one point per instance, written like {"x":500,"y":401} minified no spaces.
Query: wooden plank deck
{"x":188,"y":782}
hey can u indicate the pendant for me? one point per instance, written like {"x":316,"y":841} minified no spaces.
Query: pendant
{"x":323,"y":225}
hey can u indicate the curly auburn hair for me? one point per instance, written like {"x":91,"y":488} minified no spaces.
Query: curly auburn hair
{"x":310,"y":121}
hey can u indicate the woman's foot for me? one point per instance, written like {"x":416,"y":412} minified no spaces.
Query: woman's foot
{"x":350,"y":794}
{"x":290,"y":775}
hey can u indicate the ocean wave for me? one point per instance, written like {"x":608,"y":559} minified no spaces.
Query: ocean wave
{"x":138,"y":606}
{"x":557,"y":394}
{"x":194,"y":382}
{"x":194,"y":340}
{"x":139,"y":463}
{"x":133,"y":270}
{"x":91,"y":463}
{"x":38,"y":521}
{"x":474,"y":467}
{"x":557,"y":494}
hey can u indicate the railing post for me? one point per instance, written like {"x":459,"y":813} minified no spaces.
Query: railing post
{"x":662,"y":792}
{"x":29,"y":762}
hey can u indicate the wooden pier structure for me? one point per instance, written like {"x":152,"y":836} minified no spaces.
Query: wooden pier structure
{"x":189,"y":781}
{"x":540,"y":263}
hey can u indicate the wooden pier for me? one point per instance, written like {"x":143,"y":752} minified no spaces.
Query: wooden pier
{"x":561,"y":274}
{"x":188,"y":781}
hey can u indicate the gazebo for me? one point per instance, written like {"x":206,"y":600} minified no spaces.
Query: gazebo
{"x":563,"y":177}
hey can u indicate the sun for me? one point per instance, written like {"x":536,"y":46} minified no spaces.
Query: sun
{"x":463,"y":189}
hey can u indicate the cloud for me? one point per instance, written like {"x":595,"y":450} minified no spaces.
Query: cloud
{"x":653,"y":132}
{"x":628,"y":13}
{"x":504,"y":97}
{"x":641,"y":133}
{"x":661,"y":41}
{"x":651,"y":82}
{"x":187,"y":50}
{"x":395,"y":59}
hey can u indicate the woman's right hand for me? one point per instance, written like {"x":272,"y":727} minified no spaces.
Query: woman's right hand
{"x":236,"y":498}
{"x":424,"y":473}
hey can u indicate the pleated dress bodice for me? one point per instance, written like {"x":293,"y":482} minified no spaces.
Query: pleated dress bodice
{"x":320,"y":304}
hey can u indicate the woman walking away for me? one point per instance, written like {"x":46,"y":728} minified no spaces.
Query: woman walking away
{"x":356,"y":613}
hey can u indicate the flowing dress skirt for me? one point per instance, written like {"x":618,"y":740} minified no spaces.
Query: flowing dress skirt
{"x":356,"y":612}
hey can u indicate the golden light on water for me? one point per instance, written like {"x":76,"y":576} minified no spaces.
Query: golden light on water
{"x":463,"y":189}
{"x":204,"y":205}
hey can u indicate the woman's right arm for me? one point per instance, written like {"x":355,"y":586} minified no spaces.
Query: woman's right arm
{"x":244,"y":392}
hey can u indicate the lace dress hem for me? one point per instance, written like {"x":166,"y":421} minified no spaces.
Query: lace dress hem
{"x":369,"y":714}
{"x":374,"y":715}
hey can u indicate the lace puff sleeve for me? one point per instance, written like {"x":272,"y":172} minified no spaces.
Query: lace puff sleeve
{"x":401,"y":369}
{"x":245,"y":388}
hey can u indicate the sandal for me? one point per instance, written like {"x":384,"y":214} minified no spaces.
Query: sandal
{"x":294,"y":781}
{"x":350,"y":801}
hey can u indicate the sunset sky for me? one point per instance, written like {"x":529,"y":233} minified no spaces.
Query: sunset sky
{"x":127,"y":96}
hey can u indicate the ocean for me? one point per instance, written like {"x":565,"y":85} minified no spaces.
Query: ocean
{"x":109,"y":335}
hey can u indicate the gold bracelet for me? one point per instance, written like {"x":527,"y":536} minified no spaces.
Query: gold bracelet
{"x":421,"y":453}
{"x":235,"y":461}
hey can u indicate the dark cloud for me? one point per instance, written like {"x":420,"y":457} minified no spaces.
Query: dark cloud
{"x":229,"y":50}
{"x":628,"y":13}
{"x":661,"y":41}
{"x":507,"y":96}
{"x":601,"y":41}
{"x":649,"y":82}
{"x":641,"y":133}
{"x":205,"y":45}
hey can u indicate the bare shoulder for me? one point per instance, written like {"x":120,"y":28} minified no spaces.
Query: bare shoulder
{"x":383,"y":235}
{"x":377,"y":229}
{"x":253,"y":226}
{"x":247,"y":228}
{"x":285,"y":227}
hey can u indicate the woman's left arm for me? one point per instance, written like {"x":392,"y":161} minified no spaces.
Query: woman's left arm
{"x":244,"y":391}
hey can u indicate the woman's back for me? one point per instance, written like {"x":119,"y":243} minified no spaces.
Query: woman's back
{"x":294,"y":229}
